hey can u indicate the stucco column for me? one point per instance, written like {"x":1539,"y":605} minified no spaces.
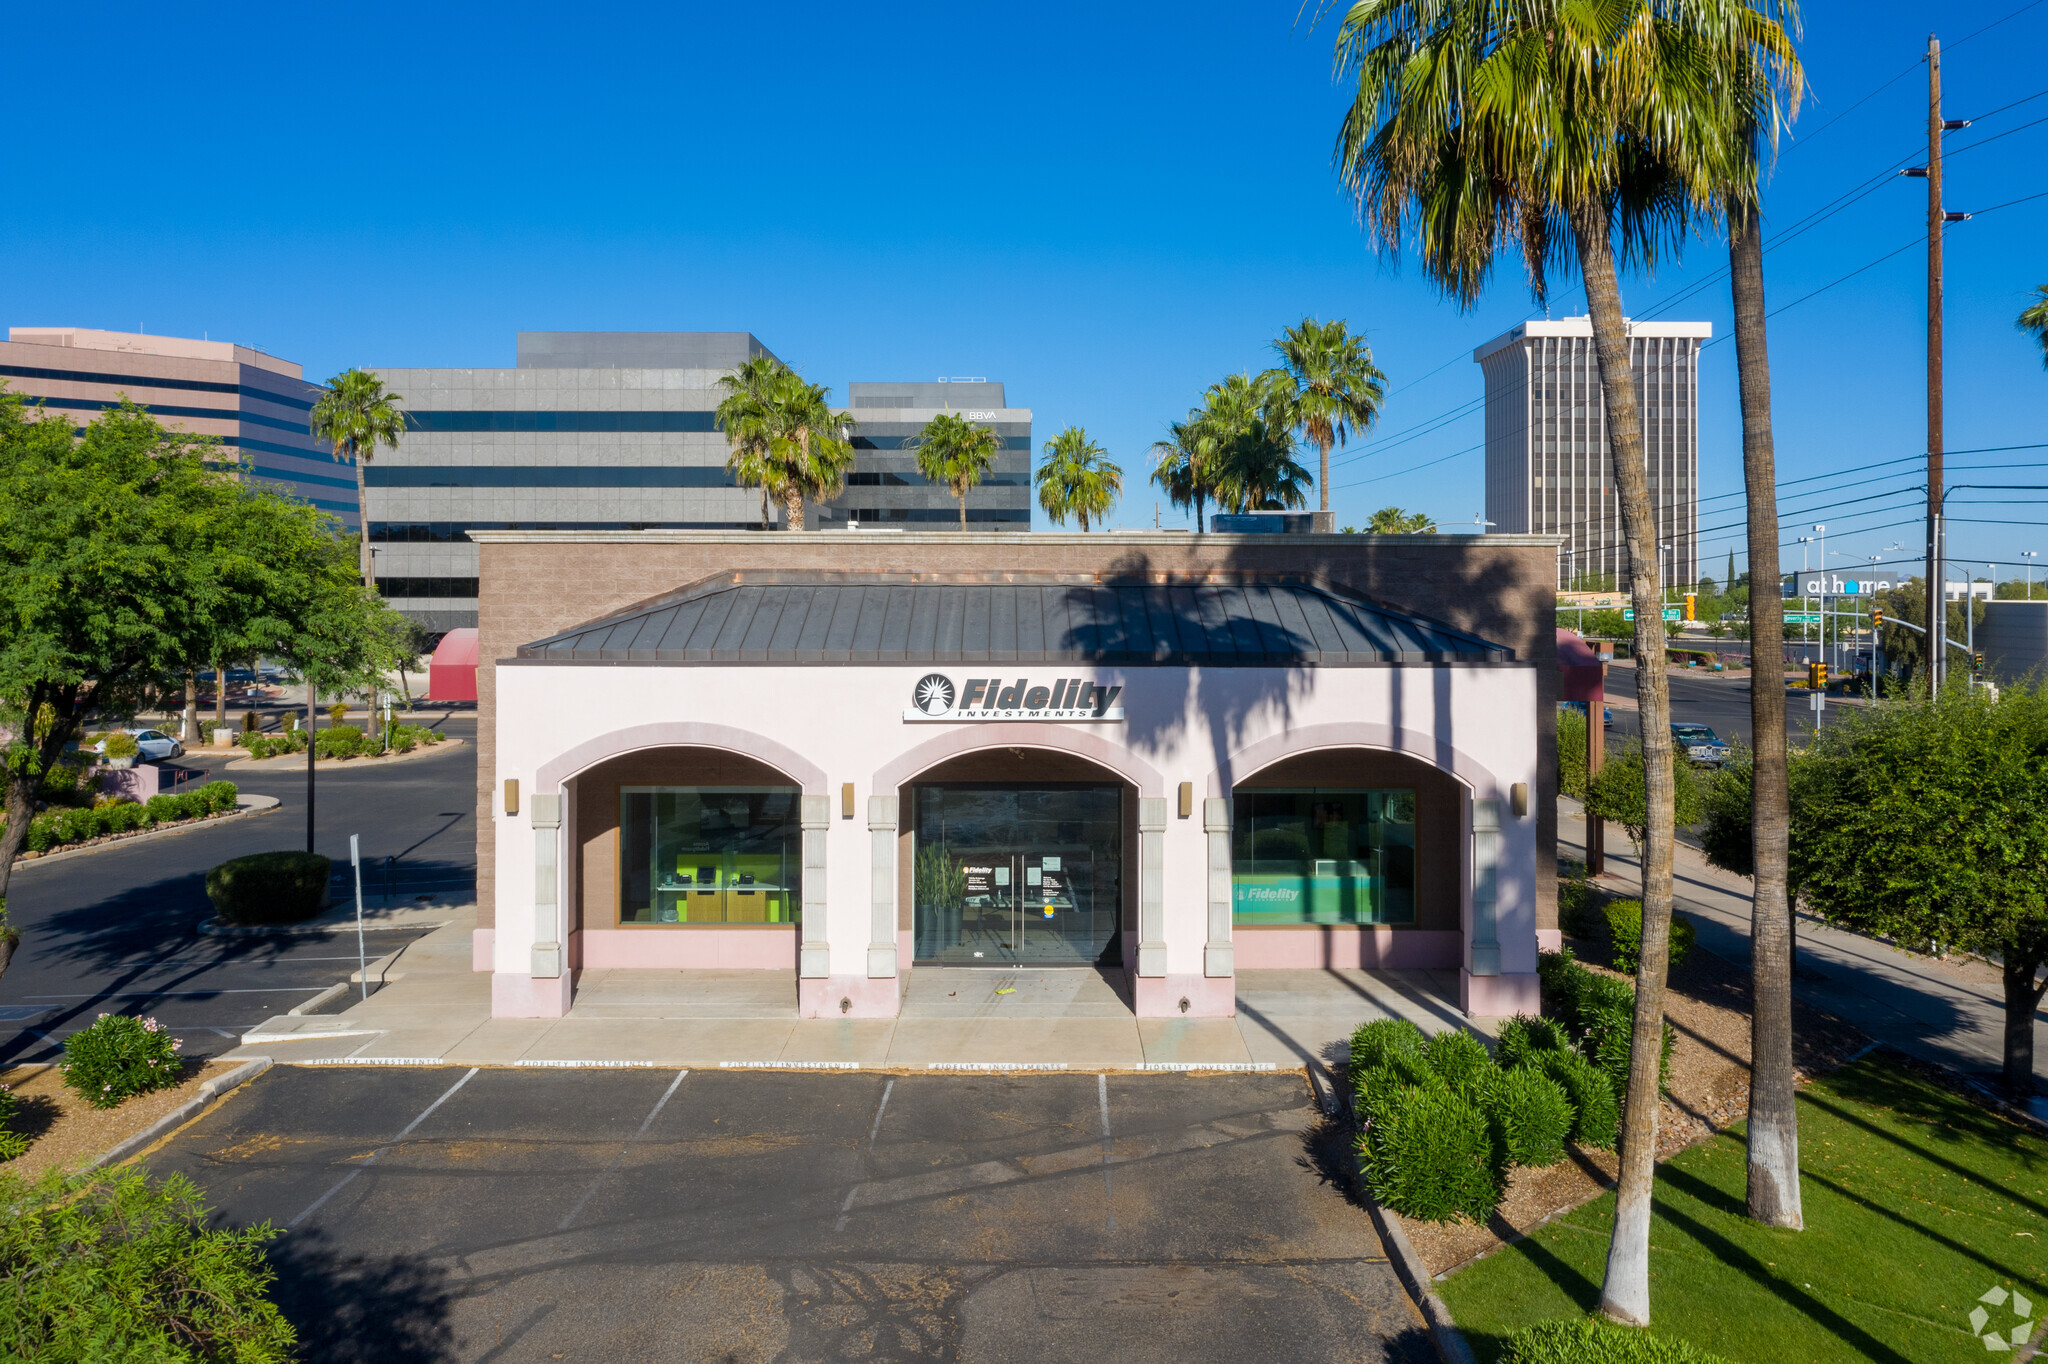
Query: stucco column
{"x":1152,"y":885}
{"x":882,"y":855}
{"x":814,"y":954}
{"x":1485,"y":887}
{"x":1218,"y":960}
{"x":547,"y":919}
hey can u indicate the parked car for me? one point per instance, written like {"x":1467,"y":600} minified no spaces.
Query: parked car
{"x":155,"y":745}
{"x":1701,"y":745}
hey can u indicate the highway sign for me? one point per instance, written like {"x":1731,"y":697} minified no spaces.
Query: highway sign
{"x":1802,"y":617}
{"x":1671,"y":613}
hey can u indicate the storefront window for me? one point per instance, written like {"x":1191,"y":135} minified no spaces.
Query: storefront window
{"x":1010,"y":875}
{"x":1323,"y":857}
{"x":710,"y":855}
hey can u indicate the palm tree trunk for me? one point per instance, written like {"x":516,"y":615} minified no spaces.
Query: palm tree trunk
{"x":362,"y":519}
{"x":1201,"y":504}
{"x":764,"y":506}
{"x":962,"y":495}
{"x":793,"y":510}
{"x":1773,"y":1116}
{"x":1625,"y":1293}
{"x":1323,"y":475}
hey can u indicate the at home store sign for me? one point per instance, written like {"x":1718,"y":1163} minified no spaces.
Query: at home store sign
{"x":937,"y":698}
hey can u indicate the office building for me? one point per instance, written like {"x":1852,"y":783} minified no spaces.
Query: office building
{"x":1547,"y":465}
{"x":887,"y":490}
{"x":836,"y":761}
{"x":616,"y":431}
{"x":256,"y":405}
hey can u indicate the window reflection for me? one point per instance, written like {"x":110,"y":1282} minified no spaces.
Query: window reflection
{"x":710,"y":855}
{"x":1323,"y":856}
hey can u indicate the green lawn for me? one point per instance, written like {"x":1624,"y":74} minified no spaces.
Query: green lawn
{"x":1916,"y":1203}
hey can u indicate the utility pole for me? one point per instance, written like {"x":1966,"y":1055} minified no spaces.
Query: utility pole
{"x":1937,"y":218}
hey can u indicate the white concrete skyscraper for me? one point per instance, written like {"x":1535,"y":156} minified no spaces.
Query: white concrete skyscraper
{"x":1547,"y":468}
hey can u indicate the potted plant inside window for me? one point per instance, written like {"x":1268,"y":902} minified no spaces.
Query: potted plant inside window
{"x":121,"y":750}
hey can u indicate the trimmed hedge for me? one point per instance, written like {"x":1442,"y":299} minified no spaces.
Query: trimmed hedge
{"x":1625,"y":931}
{"x":269,"y":888}
{"x":1593,"y":1341}
{"x":115,"y":816}
{"x":1374,"y":1044}
{"x":1531,"y":1116}
{"x":1430,"y":1153}
{"x":1522,"y":1036}
{"x":1460,"y":1059}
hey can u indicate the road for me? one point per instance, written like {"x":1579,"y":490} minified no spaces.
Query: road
{"x":512,"y":1215}
{"x":116,"y":930}
{"x":1715,"y":700}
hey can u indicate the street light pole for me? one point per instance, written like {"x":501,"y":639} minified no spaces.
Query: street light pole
{"x":2029,"y":555}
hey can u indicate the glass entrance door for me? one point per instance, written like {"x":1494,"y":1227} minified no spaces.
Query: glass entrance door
{"x":1010,"y":875}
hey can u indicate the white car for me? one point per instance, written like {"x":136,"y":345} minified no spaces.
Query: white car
{"x":154,"y":745}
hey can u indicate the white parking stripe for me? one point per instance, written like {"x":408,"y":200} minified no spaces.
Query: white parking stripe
{"x":349,"y":1178}
{"x":874,"y":1130}
{"x":1102,"y":1095}
{"x":648,"y":1122}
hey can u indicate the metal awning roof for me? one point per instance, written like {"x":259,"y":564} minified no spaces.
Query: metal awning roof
{"x":824,"y":619}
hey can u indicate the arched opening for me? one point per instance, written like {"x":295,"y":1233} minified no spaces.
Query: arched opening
{"x":684,"y":857}
{"x":1348,"y":857}
{"x":1018,"y":857}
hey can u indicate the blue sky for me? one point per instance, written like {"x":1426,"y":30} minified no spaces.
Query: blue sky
{"x":1106,"y":207}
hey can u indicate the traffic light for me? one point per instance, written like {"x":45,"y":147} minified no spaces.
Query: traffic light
{"x":1877,"y":618}
{"x":1692,"y":602}
{"x":1977,"y":660}
{"x":1816,"y":677}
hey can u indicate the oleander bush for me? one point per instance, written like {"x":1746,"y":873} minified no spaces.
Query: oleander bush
{"x":12,"y":1143}
{"x":1522,"y":1036}
{"x":118,"y":1057}
{"x":1598,"y":1012}
{"x":1460,"y":1059}
{"x":1625,"y":932}
{"x":269,"y":888}
{"x":1592,"y":1341}
{"x":1596,"y":1117}
{"x":112,"y":1268}
{"x":1374,"y":1043}
{"x":1577,"y":904}
{"x":1429,"y":1153}
{"x":1531,"y":1116}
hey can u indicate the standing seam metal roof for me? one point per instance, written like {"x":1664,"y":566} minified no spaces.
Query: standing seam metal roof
{"x":819,"y":619}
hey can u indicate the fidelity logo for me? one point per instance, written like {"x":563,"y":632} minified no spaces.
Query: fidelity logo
{"x":990,"y":698}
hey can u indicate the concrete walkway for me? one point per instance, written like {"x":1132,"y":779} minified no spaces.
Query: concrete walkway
{"x":436,"y":1009}
{"x":1950,"y":1012}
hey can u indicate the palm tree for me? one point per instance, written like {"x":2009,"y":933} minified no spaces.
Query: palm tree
{"x":1186,"y":465}
{"x":1558,"y":128}
{"x":1328,"y":387}
{"x":954,"y":451}
{"x":2034,"y":318}
{"x":1255,"y":468}
{"x":1078,"y":479}
{"x":1752,"y":79}
{"x":1394,"y":521}
{"x":743,"y":415}
{"x":355,"y":415}
{"x":812,"y":445}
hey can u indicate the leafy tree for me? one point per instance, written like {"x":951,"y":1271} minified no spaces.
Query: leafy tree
{"x":1326,"y":387}
{"x":1186,"y":465}
{"x":1565,"y":131}
{"x":1606,"y":623}
{"x":1394,"y":521}
{"x":1905,"y":651}
{"x":1925,"y":819}
{"x":1077,"y":478}
{"x":1615,"y":793}
{"x":409,"y":641}
{"x":2033,"y":319}
{"x":355,"y":415}
{"x":954,"y":451}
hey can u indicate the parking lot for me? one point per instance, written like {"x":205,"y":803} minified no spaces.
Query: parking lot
{"x":450,"y":1214}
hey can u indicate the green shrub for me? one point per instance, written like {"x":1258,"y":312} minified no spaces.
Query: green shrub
{"x":220,"y":796}
{"x":340,"y":741}
{"x":12,"y":1143}
{"x":120,"y":745}
{"x":111,"y":1268}
{"x":1571,"y":753}
{"x":1376,"y":1087}
{"x":61,"y":784}
{"x":76,"y":826}
{"x":43,"y":833}
{"x":1625,"y":931}
{"x":120,"y":1056}
{"x":338,"y":712}
{"x":1459,"y":1059}
{"x":1522,"y":1036}
{"x":1374,"y":1044}
{"x":1430,"y":1154}
{"x":250,"y":722}
{"x":403,"y":739}
{"x":1593,"y":1341}
{"x":1531,"y":1115}
{"x":1576,"y":901}
{"x":1596,"y":1118}
{"x":125,"y":817}
{"x":269,"y":888}
{"x":206,"y":729}
{"x":1597,"y":1012}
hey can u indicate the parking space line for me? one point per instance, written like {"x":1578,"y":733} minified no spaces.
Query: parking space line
{"x":350,"y":1177}
{"x":646,"y":1123}
{"x":1102,"y":1095}
{"x":874,"y":1130}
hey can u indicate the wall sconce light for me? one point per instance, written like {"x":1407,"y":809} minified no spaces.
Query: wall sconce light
{"x":511,"y":795}
{"x":846,"y":801}
{"x":1518,"y":799}
{"x":1187,"y":799}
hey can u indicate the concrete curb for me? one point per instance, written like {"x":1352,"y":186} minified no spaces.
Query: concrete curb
{"x":312,"y":1005}
{"x":294,"y":763}
{"x":177,"y":1117}
{"x":214,"y":928}
{"x":1443,"y":1332}
{"x":245,"y":806}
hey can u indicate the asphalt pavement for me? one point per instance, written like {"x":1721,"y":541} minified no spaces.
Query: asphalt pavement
{"x":1716,"y":700}
{"x":116,"y":930}
{"x":510,"y":1215}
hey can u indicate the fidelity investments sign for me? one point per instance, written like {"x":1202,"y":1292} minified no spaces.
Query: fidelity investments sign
{"x":936,"y":698}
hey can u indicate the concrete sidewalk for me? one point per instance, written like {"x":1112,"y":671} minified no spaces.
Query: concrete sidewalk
{"x":436,"y":1009}
{"x":1949,"y":1012}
